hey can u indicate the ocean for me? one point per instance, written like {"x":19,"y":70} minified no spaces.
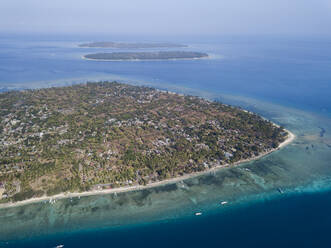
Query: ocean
{"x":285,"y":79}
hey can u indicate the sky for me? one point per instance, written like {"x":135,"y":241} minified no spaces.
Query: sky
{"x":167,"y":17}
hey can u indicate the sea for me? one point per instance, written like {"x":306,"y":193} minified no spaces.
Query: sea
{"x":280,"y":200}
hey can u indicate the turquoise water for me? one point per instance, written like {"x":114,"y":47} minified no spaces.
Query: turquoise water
{"x":284,"y":80}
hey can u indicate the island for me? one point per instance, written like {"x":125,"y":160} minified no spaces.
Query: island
{"x":108,"y":135}
{"x":117,"y":56}
{"x":122,"y":45}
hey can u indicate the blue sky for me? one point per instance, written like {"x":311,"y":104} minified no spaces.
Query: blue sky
{"x":168,"y":17}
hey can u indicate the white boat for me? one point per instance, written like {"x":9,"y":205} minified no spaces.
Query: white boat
{"x":224,"y":202}
{"x":198,"y":214}
{"x":59,"y":246}
{"x":280,"y":190}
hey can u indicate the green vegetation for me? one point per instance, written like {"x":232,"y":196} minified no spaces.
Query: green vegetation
{"x":107,"y":134}
{"x":146,"y":55}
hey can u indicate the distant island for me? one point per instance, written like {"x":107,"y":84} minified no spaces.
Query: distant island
{"x":122,"y":45}
{"x":95,"y":137}
{"x":164,"y":55}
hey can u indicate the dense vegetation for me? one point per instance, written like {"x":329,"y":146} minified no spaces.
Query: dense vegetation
{"x":122,"y":45}
{"x":107,"y":134}
{"x":146,"y":55}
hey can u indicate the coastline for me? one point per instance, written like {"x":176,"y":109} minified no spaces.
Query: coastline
{"x":139,"y":48}
{"x":289,"y":139}
{"x":138,"y":60}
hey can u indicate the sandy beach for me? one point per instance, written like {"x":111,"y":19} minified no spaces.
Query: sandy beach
{"x":138,"y":60}
{"x":289,"y":139}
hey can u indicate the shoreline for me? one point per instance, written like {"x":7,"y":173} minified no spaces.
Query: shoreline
{"x":289,"y":139}
{"x":138,"y":60}
{"x":131,"y":48}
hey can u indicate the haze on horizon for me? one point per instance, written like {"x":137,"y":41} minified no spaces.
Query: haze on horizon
{"x":171,"y":17}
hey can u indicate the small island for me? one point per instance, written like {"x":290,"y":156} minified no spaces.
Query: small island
{"x":103,"y":136}
{"x":121,"y":45}
{"x":164,"y":55}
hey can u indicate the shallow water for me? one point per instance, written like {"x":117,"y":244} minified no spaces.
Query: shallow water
{"x":256,"y":209}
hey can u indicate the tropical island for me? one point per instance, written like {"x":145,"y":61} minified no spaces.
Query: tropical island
{"x":121,"y":45}
{"x":108,"y":135}
{"x":164,"y":55}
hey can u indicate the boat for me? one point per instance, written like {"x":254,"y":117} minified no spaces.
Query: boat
{"x":198,"y":214}
{"x":59,"y":246}
{"x":280,"y":190}
{"x":224,"y":202}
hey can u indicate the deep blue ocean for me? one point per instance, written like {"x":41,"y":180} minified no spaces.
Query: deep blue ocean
{"x":297,"y":221}
{"x":293,"y":74}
